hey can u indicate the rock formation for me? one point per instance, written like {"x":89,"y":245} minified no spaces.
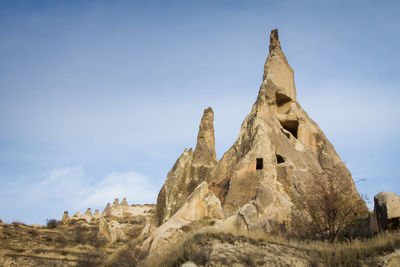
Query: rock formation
{"x":65,"y":219}
{"x":279,"y":154}
{"x":387,"y":210}
{"x":200,"y":204}
{"x":191,"y":168}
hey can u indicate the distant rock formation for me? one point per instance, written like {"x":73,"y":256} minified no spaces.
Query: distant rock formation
{"x":274,"y":162}
{"x":115,"y":212}
{"x":191,"y":169}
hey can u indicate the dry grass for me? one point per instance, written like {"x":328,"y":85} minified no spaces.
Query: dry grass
{"x":127,"y":256}
{"x":17,"y":223}
{"x":322,"y":253}
{"x":352,"y":252}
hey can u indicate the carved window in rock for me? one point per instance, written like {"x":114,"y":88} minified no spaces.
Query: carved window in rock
{"x":259,"y":164}
{"x":291,"y":126}
{"x":279,"y":159}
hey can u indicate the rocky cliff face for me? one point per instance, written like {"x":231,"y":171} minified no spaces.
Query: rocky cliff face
{"x":274,"y":162}
{"x":191,"y":169}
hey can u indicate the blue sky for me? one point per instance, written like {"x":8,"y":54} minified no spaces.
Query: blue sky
{"x":99,"y":98}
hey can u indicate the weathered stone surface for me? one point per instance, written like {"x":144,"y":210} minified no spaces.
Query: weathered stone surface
{"x":200,"y":204}
{"x":124,"y":202}
{"x":279,"y":150}
{"x":107,"y":211}
{"x":274,"y":162}
{"x":387,"y":210}
{"x":188,"y":264}
{"x":87,"y":216}
{"x":96,"y":215}
{"x":65,"y":219}
{"x":191,"y":168}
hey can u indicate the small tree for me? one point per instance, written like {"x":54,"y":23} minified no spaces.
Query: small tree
{"x":52,"y":223}
{"x":329,"y":207}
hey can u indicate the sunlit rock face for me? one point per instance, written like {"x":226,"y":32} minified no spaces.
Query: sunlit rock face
{"x":191,"y":169}
{"x":387,"y":211}
{"x":271,"y":166}
{"x":201,"y":203}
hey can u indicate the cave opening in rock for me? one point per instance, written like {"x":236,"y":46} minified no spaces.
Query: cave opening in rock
{"x":259,"y":164}
{"x":279,"y":159}
{"x":281,"y":99}
{"x":291,"y":126}
{"x":283,"y":102}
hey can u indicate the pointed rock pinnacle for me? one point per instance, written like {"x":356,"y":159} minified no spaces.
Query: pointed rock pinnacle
{"x":107,"y":211}
{"x":274,"y":40}
{"x":205,"y":148}
{"x":124,"y":202}
{"x":277,"y":72}
{"x":88,"y":212}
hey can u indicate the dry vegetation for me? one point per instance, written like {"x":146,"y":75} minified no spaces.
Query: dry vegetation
{"x":328,"y":209}
{"x":196,"y":248}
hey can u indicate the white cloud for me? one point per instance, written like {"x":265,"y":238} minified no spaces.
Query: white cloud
{"x":71,"y":187}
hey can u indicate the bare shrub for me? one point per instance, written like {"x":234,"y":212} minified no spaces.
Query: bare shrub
{"x":90,"y":259}
{"x":127,"y":257}
{"x":328,"y":207}
{"x":52,"y":223}
{"x":33,"y":232}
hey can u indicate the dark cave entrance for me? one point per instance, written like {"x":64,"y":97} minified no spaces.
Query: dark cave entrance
{"x":279,"y":159}
{"x":291,"y":126}
{"x":259,"y":164}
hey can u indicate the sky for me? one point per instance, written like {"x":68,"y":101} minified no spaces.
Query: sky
{"x":99,"y":98}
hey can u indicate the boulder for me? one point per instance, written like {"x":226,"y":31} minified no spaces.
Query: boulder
{"x":387,"y":210}
{"x":112,"y":230}
{"x":200,"y":204}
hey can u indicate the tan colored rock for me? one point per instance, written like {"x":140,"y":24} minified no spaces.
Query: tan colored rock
{"x":65,"y":219}
{"x":277,"y":69}
{"x":200,"y":204}
{"x":279,"y":150}
{"x":104,"y":229}
{"x":387,"y":210}
{"x":116,"y":203}
{"x":191,"y":169}
{"x":96,"y":215}
{"x":188,"y":264}
{"x":112,"y":230}
{"x":272,"y":165}
{"x":124,"y":202}
{"x":107,"y":211}
{"x":87,"y":216}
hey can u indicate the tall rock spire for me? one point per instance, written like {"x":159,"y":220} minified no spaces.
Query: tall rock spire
{"x":277,"y":71}
{"x":274,"y":162}
{"x":279,"y":150}
{"x":190,"y":169}
{"x":205,"y":149}
{"x":274,"y":42}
